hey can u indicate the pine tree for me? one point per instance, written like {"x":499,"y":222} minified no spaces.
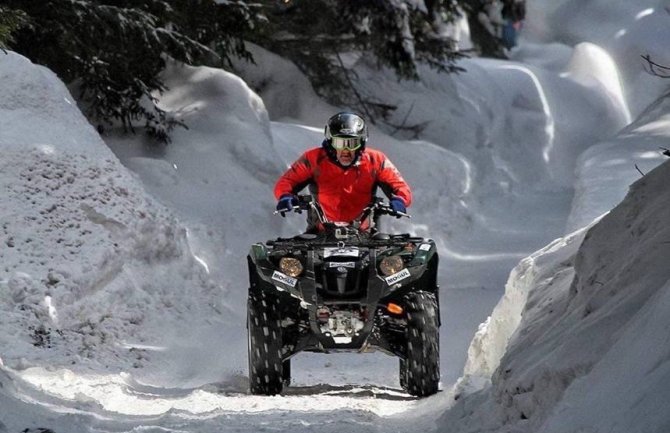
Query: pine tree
{"x":10,"y":21}
{"x":116,"y":49}
{"x":398,"y":34}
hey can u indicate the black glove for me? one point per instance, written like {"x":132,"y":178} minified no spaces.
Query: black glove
{"x":286,"y":203}
{"x":398,"y":205}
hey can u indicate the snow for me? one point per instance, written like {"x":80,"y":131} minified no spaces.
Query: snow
{"x":82,"y":242}
{"x":626,"y":30}
{"x":605,"y":170}
{"x":533,"y":272}
{"x":591,"y":345}
{"x":123,"y":277}
{"x":591,"y":65}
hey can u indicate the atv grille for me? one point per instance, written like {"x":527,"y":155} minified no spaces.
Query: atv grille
{"x":342,"y":283}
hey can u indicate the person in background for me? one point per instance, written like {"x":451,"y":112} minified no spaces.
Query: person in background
{"x":513,"y":12}
{"x":342,"y":174}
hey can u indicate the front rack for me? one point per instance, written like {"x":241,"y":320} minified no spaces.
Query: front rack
{"x":324,"y":241}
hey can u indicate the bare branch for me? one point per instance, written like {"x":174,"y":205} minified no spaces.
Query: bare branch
{"x":404,"y":121}
{"x":656,"y":69}
{"x":638,"y":169}
{"x":353,"y":88}
{"x":416,"y":129}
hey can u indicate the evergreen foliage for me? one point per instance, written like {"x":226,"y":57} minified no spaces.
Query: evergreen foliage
{"x":10,"y":21}
{"x":116,"y":49}
{"x":394,"y":33}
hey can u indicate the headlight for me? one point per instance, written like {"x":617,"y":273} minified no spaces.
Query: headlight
{"x":391,"y":265}
{"x":290,"y":266}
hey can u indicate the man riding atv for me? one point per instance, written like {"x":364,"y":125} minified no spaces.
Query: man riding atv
{"x":342,"y":174}
{"x":343,"y":285}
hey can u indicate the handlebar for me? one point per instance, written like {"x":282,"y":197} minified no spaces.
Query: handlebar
{"x":385,"y":209}
{"x":306,"y":202}
{"x":301,"y":206}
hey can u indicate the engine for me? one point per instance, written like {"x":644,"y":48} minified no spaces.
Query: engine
{"x":341,"y":323}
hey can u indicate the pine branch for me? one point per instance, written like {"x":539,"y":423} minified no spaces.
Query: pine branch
{"x":116,"y":50}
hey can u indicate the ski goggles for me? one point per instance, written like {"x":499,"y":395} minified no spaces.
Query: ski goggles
{"x":349,"y":143}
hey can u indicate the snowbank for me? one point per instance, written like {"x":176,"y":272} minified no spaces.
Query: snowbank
{"x":605,"y":171}
{"x":626,"y":30}
{"x":287,"y":93}
{"x":216,"y":172}
{"x":592,"y":66}
{"x":542,"y":271}
{"x":91,"y":265}
{"x":37,"y":111}
{"x":580,"y":358}
{"x":217,"y":176}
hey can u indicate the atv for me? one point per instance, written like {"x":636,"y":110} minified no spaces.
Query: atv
{"x":344,"y":289}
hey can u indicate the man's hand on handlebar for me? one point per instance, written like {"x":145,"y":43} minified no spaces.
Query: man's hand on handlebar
{"x":395,"y":207}
{"x":287,"y":203}
{"x":398,"y":206}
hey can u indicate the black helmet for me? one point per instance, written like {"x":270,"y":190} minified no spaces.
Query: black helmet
{"x":349,"y":127}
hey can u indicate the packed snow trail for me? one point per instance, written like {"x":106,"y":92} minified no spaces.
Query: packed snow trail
{"x":88,"y":403}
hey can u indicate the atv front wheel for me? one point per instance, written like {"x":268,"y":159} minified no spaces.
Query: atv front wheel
{"x":402,"y":373}
{"x":422,"y":366}
{"x":266,"y":376}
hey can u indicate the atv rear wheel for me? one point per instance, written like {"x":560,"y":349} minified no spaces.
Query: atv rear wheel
{"x":266,"y":376}
{"x":422,"y":365}
{"x":286,"y":372}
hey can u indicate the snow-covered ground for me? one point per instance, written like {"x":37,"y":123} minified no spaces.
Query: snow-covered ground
{"x":588,"y":350}
{"x":123,"y":277}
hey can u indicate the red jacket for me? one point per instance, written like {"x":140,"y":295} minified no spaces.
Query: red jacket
{"x":343,"y":192}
